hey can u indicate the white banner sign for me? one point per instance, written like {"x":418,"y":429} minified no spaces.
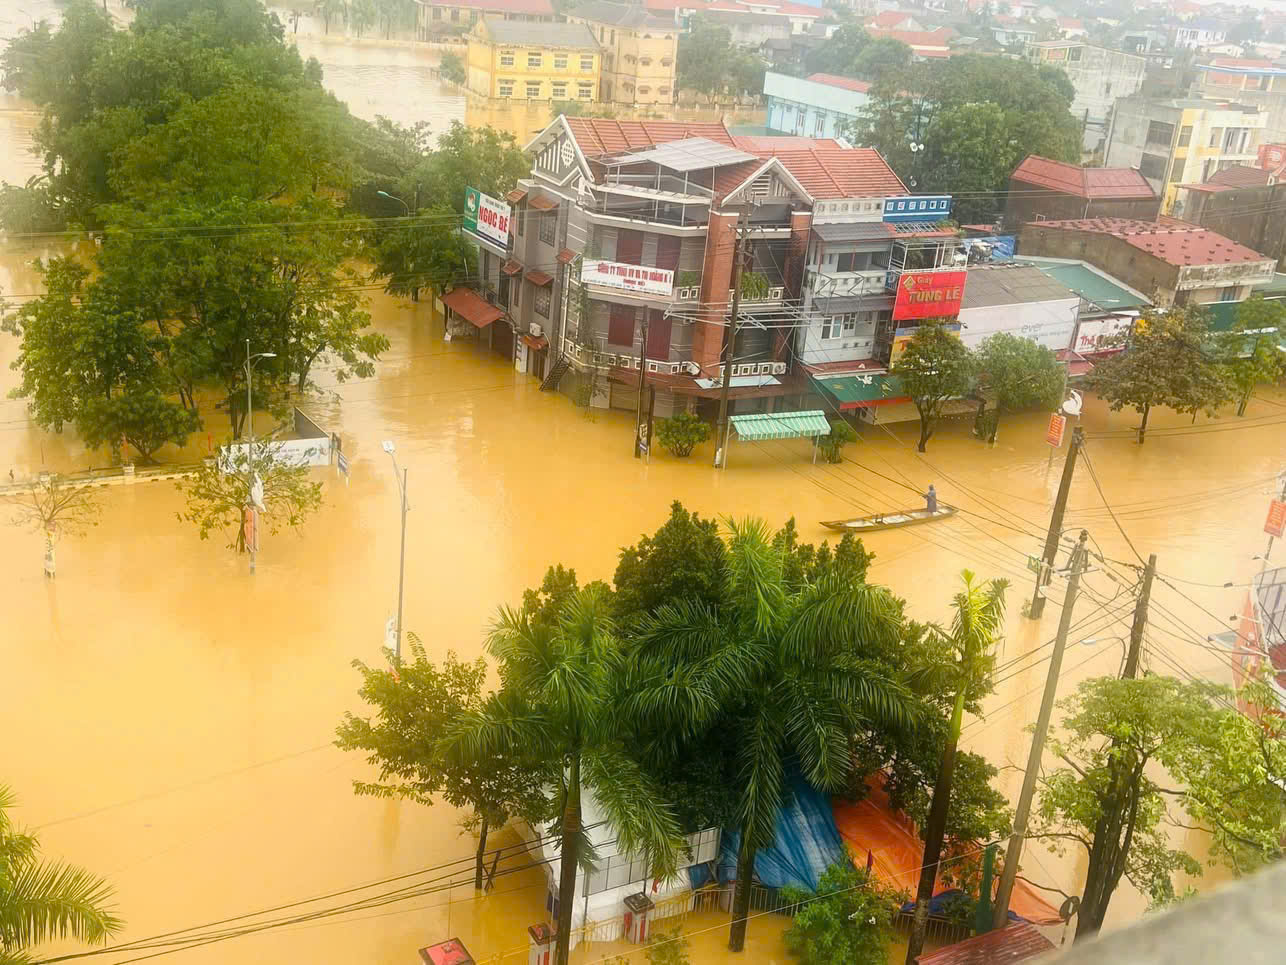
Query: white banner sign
{"x":1092,"y":334}
{"x":486,"y":216}
{"x":633,"y":278}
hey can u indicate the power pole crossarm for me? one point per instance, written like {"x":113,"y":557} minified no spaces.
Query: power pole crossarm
{"x":1014,"y":852}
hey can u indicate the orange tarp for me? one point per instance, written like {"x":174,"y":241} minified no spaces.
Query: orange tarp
{"x":890,"y":838}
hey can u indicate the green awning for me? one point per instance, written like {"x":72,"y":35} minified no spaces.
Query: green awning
{"x":857,"y":391}
{"x":781,"y":425}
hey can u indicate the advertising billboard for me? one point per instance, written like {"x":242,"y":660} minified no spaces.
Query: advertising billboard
{"x":486,"y":217}
{"x":929,"y":294}
{"x":923,"y":208}
{"x":631,"y":278}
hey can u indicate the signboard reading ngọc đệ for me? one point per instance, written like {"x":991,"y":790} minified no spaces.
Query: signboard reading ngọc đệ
{"x":486,"y":217}
{"x":633,"y":278}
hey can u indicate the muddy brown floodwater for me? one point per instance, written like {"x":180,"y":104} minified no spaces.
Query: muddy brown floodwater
{"x":169,"y":717}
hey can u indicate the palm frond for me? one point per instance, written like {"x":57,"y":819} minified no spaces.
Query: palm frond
{"x":643,"y":821}
{"x":504,"y":725}
{"x":836,"y":616}
{"x":49,"y":901}
{"x":684,"y":631}
{"x":762,"y":775}
{"x":815,"y":730}
{"x":868,"y":696}
{"x":524,"y":651}
{"x":678,"y":701}
{"x":755,"y":574}
{"x":979,"y":616}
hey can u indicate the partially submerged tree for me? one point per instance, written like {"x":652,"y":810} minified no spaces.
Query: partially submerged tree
{"x":44,"y":901}
{"x":221,"y":489}
{"x":415,"y":704}
{"x":848,"y":920}
{"x":1120,"y":739}
{"x":1165,"y":363}
{"x":935,"y":368}
{"x":55,"y":507}
{"x":1252,"y":350}
{"x":685,"y":559}
{"x":1015,"y":373}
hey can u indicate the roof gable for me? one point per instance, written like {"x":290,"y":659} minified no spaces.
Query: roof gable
{"x":598,"y":136}
{"x":1092,"y":184}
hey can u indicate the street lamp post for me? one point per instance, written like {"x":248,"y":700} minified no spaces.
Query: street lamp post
{"x":385,"y":194}
{"x":251,"y":501}
{"x":401,"y":566}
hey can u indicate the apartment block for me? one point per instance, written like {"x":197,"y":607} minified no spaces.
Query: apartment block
{"x":533,"y":61}
{"x":640,"y":51}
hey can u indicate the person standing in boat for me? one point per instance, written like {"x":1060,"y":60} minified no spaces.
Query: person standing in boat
{"x":931,"y":500}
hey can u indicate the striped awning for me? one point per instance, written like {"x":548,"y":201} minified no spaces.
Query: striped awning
{"x":781,"y":425}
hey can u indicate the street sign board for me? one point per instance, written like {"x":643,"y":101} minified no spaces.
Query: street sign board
{"x":486,"y":217}
{"x":1033,"y":564}
{"x":341,"y":461}
{"x":1276,"y":522}
{"x":929,"y":294}
{"x":1057,"y":426}
{"x":643,"y":439}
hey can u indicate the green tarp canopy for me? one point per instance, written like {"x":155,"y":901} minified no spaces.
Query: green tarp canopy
{"x":852,"y":391}
{"x":781,"y":425}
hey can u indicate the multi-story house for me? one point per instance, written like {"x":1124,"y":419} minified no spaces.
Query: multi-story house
{"x":533,"y":61}
{"x":820,"y":105}
{"x":623,"y":259}
{"x":1099,"y":76}
{"x":640,"y":51}
{"x":1180,"y":141}
{"x":436,"y":19}
{"x":1202,"y":32}
{"x":1258,"y":82}
{"x":1044,"y":190}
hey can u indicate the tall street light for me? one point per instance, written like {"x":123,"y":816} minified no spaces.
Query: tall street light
{"x":401,"y":566}
{"x":254,"y":500}
{"x":385,"y":194}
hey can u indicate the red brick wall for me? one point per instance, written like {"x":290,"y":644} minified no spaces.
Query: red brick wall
{"x":716,"y":280}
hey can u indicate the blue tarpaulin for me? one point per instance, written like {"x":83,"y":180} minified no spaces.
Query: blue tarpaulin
{"x":807,"y":843}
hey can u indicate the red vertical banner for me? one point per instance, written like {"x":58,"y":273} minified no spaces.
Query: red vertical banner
{"x":1276,"y":522}
{"x":1057,"y":426}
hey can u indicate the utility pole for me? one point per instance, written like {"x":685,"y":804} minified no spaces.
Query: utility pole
{"x":721,"y":431}
{"x":1140,"y":620}
{"x":638,"y":409}
{"x":254,"y":499}
{"x":1014,"y":852}
{"x":1055,"y":525}
{"x":391,"y":449}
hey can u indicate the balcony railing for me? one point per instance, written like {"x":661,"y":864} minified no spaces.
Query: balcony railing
{"x":585,"y":357}
{"x":658,"y":182}
{"x":650,"y":211}
{"x":828,"y":283}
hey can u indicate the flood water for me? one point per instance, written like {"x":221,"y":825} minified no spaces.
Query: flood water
{"x":170,"y":716}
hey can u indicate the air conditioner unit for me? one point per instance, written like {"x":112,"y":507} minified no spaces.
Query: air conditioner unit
{"x":692,"y":368}
{"x":747,"y":369}
{"x":676,"y":368}
{"x":610,"y":360}
{"x":779,"y":368}
{"x":778,"y":292}
{"x":636,"y":363}
{"x":654,"y":367}
{"x":536,"y":329}
{"x":765,"y":368}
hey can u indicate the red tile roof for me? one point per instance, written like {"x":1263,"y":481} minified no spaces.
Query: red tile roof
{"x":767,"y":143}
{"x":889,"y":19}
{"x":769,"y":7}
{"x":532,"y":7}
{"x":1070,"y":23}
{"x":858,"y":172}
{"x":1016,"y":943}
{"x":1097,"y":184}
{"x":1174,"y":242}
{"x":916,"y":38}
{"x":600,"y":135}
{"x":835,"y":80}
{"x":1241,"y":176}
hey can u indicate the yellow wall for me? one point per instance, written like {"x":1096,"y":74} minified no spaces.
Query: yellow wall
{"x":487,"y":70}
{"x":635,"y":68}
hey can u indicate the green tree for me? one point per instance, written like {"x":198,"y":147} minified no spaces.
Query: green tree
{"x":977,"y":623}
{"x":791,"y":672}
{"x":429,"y":252}
{"x":685,"y":559}
{"x":1165,"y":363}
{"x":681,"y":433}
{"x":478,"y":157}
{"x":219,"y":491}
{"x":1120,"y":738}
{"x":451,"y":67}
{"x":57,"y":509}
{"x":1015,"y":373}
{"x":44,"y":901}
{"x":935,"y":368}
{"x":1251,"y":350}
{"x":561,"y":700}
{"x":848,"y":920}
{"x":415,"y":704}
{"x":839,"y":52}
{"x":710,"y":63}
{"x":883,"y":55}
{"x":331,"y":10}
{"x":840,"y":435}
{"x":361,"y":15}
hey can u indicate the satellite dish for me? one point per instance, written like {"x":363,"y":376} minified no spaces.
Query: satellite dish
{"x":1072,"y":406}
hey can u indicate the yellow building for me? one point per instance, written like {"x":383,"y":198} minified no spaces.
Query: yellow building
{"x":640,"y":51}
{"x":533,"y":61}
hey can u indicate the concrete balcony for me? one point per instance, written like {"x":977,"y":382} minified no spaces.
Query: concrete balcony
{"x":821,"y":283}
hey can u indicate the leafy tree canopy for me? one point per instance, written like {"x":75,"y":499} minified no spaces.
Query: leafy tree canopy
{"x":847,"y":921}
{"x":710,"y":63}
{"x":934,"y":368}
{"x":1015,"y":373}
{"x":1251,"y":350}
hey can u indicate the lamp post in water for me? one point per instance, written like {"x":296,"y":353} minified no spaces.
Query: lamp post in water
{"x":401,"y":566}
{"x":254,"y":494}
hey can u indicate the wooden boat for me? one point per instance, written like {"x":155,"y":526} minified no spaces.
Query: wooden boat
{"x":893,"y":520}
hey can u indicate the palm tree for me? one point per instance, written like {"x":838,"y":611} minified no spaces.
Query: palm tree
{"x":794,"y":667}
{"x":978,"y":620}
{"x":330,"y":8}
{"x":560,"y":700}
{"x":42,"y":901}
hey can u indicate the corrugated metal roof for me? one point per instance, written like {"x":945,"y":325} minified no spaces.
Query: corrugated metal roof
{"x":1015,"y":943}
{"x":1174,"y":242}
{"x":620,"y":15}
{"x":1096,"y":184}
{"x":600,"y":135}
{"x":689,"y":154}
{"x":854,"y":231}
{"x":1010,"y":284}
{"x":1095,"y":288}
{"x":781,"y":425}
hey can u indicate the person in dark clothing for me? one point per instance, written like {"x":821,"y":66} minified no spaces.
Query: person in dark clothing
{"x":931,"y":499}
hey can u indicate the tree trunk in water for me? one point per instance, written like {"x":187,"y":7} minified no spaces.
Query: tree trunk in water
{"x":1243,"y":402}
{"x":568,"y":858}
{"x":995,"y":426}
{"x":1143,"y":428}
{"x":935,"y":830}
{"x":480,"y":861}
{"x":741,"y":900}
{"x":925,"y":432}
{"x":978,"y":424}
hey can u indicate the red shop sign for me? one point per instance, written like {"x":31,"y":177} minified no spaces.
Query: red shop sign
{"x":929,"y":294}
{"x":1276,"y":521}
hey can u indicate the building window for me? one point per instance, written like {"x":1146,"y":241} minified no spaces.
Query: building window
{"x":1228,"y":294}
{"x":541,"y":303}
{"x":585,"y":92}
{"x":560,"y":61}
{"x":437,"y":13}
{"x":666,"y":61}
{"x":1159,"y":132}
{"x":663,"y":90}
{"x":520,"y":221}
{"x":1215,"y":134}
{"x":560,"y":92}
{"x":533,"y":61}
{"x":455,"y":15}
{"x":1185,"y":135}
{"x":548,"y":224}
{"x":1152,"y":166}
{"x":645,"y":90}
{"x":830,"y":327}
{"x":850,"y":323}
{"x":645,"y":61}
{"x":507,"y":58}
{"x":818,"y":125}
{"x":587,"y":62}
{"x":613,"y":40}
{"x":505,"y":88}
{"x":533,"y":90}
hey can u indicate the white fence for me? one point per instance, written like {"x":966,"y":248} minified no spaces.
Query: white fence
{"x":312,"y":450}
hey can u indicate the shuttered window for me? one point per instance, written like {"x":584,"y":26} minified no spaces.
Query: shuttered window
{"x":629,"y":247}
{"x":620,"y":326}
{"x":658,"y":335}
{"x":667,"y":252}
